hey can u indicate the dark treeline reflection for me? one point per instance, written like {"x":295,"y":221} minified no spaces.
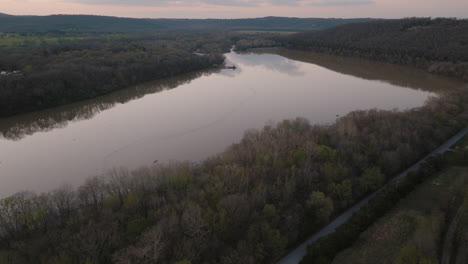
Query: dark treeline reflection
{"x":16,"y":128}
{"x":403,"y":76}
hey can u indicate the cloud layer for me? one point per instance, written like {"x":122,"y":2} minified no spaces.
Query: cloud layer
{"x":240,"y":8}
{"x":238,"y":3}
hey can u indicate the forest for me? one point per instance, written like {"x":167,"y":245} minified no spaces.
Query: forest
{"x":438,"y":45}
{"x":248,"y":204}
{"x":435,"y":195}
{"x":47,"y":71}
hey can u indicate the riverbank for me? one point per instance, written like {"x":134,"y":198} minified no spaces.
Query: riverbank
{"x":63,"y":72}
{"x":50,"y":89}
{"x":440,"y":68}
{"x":435,"y":45}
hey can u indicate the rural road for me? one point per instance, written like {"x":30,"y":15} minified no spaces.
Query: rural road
{"x":297,"y":254}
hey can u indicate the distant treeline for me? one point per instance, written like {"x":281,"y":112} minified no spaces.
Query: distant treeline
{"x":87,"y":23}
{"x":58,"y":73}
{"x":437,"y":45}
{"x":245,"y":205}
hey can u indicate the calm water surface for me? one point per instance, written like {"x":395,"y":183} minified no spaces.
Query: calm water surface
{"x":197,"y":115}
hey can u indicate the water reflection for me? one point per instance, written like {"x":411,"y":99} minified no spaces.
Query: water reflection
{"x":398,"y":75}
{"x":267,"y":61}
{"x":17,"y":127}
{"x":230,"y":72}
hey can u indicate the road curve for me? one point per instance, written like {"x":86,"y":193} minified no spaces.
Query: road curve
{"x":297,"y":254}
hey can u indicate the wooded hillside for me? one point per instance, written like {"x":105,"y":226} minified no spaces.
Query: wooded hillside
{"x":89,"y":23}
{"x":437,"y":45}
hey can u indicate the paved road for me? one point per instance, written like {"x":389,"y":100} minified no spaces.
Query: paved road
{"x":297,"y":254}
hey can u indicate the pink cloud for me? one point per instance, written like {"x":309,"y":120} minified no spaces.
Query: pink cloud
{"x":239,"y":8}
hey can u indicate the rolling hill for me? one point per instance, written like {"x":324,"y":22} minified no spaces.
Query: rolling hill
{"x":88,"y":23}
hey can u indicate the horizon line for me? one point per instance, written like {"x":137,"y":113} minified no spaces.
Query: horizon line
{"x":259,"y":17}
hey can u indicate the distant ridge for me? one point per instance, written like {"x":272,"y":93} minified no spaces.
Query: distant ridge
{"x":118,"y":24}
{"x":5,"y":15}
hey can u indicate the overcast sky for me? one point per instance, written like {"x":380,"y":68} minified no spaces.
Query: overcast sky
{"x":240,"y":8}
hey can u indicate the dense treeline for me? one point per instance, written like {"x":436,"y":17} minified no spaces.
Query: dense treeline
{"x":324,"y":250}
{"x":245,"y":205}
{"x":257,"y":42}
{"x":58,"y":73}
{"x":437,"y":45}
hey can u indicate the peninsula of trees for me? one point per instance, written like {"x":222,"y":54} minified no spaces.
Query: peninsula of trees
{"x":47,"y":71}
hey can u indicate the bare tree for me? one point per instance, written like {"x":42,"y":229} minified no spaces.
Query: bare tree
{"x":149,"y":249}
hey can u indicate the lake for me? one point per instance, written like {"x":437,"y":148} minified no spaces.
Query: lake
{"x":193,"y":116}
